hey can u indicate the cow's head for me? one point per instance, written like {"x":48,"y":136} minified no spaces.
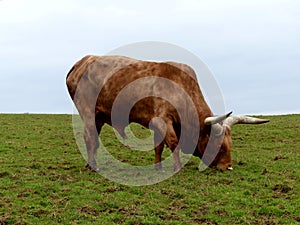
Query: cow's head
{"x":218,"y":149}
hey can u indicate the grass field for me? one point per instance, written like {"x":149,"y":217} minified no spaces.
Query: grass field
{"x":43,"y":179}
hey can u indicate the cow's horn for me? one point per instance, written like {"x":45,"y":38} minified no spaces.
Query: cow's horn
{"x":232,"y":120}
{"x":216,"y":119}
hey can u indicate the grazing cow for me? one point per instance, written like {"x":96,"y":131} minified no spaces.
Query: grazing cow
{"x":162,"y":96}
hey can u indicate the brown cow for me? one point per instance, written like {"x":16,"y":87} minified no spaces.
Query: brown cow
{"x":162,"y":96}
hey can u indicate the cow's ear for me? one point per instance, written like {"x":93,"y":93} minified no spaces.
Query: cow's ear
{"x":217,"y":129}
{"x":227,"y":129}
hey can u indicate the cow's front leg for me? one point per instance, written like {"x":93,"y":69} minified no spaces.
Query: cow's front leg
{"x":92,"y":143}
{"x":176,"y":158}
{"x":159,"y":147}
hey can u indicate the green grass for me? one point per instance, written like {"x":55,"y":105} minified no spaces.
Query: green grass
{"x":43,"y":179}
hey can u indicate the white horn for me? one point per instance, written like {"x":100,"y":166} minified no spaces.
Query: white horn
{"x":232,"y":120}
{"x":216,"y":119}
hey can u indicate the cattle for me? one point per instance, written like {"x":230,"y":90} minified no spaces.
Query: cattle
{"x":162,"y":96}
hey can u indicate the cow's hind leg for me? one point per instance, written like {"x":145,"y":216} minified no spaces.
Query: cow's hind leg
{"x":92,"y":143}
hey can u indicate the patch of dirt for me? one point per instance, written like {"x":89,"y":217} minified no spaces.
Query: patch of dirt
{"x":199,"y":213}
{"x":221,"y":212}
{"x":111,"y":190}
{"x":114,"y":189}
{"x":176,"y":206}
{"x":4,"y":174}
{"x":7,"y":220}
{"x":63,"y":200}
{"x":264,"y":220}
{"x":164,"y":192}
{"x":283,"y":188}
{"x":225,"y":181}
{"x":40,"y":212}
{"x":52,"y":167}
{"x":241,"y":163}
{"x":264,"y":172}
{"x":173,"y":217}
{"x":54,"y":196}
{"x":278,"y":157}
{"x":25,"y":193}
{"x":297,"y":218}
{"x":89,"y":210}
{"x":129,"y":210}
{"x":204,"y":221}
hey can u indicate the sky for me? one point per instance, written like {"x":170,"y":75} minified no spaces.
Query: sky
{"x":252,"y":47}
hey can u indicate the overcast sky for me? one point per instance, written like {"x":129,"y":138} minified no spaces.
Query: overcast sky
{"x":252,"y":47}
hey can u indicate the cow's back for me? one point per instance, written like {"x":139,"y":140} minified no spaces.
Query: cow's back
{"x":108,"y":65}
{"x":108,"y":75}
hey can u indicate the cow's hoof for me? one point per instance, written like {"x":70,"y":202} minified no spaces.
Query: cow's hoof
{"x":92,"y":168}
{"x":158,"y":167}
{"x":177,"y":169}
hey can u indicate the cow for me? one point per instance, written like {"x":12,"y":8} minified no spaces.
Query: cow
{"x":162,"y":96}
